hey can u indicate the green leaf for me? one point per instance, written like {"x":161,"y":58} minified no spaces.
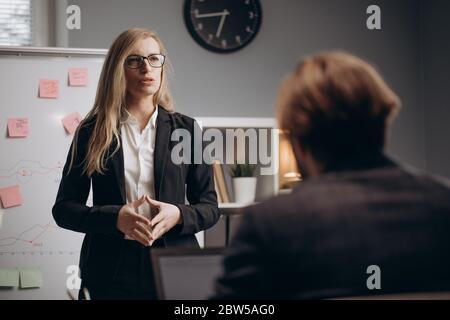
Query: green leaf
{"x":243,"y":170}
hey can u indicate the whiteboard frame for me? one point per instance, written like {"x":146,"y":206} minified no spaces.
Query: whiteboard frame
{"x":52,"y":51}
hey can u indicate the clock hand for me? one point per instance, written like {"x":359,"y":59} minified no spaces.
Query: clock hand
{"x":213,"y":14}
{"x":222,"y":20}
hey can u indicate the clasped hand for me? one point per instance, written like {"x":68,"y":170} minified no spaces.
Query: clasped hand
{"x":142,"y":229}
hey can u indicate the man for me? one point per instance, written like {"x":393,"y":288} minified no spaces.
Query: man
{"x":358,"y":223}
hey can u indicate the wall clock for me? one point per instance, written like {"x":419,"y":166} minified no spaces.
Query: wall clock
{"x":223,"y":26}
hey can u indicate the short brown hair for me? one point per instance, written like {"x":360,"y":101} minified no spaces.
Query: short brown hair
{"x":336,"y":105}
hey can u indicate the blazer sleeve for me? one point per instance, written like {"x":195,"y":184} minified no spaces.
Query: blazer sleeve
{"x":70,"y":210}
{"x":202,"y":211}
{"x":245,"y":274}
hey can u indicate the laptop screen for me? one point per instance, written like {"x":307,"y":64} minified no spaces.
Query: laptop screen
{"x":185,"y":273}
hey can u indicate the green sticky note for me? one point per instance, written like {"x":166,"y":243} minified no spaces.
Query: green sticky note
{"x":30,"y":278}
{"x":9,"y":278}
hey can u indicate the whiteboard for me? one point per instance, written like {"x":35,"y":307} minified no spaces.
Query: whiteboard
{"x":29,"y":236}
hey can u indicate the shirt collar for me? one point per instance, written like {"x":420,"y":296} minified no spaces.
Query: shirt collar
{"x":153,"y":118}
{"x":130,"y":119}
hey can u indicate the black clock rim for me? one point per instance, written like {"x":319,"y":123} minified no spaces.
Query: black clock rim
{"x":199,"y":40}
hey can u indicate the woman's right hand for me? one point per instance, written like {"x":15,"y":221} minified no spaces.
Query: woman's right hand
{"x":134,"y":225}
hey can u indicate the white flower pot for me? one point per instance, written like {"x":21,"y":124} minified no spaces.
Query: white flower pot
{"x":244,"y":189}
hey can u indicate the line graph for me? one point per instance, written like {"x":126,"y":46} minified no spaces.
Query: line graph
{"x":29,"y":229}
{"x":29,"y":236}
{"x":23,"y":170}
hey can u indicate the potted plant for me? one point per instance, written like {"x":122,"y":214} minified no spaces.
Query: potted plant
{"x":244,"y":183}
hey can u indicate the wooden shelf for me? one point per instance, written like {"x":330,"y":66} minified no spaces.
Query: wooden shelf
{"x":284,"y":191}
{"x":267,"y":184}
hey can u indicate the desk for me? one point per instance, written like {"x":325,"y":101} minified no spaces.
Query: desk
{"x":230,"y":211}
{"x":221,"y":234}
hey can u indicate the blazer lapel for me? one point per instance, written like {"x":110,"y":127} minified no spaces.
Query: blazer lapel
{"x":161,"y":148}
{"x":119,"y":169}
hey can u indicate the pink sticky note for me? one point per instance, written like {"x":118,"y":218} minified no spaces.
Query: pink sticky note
{"x":78,"y":77}
{"x":71,"y":122}
{"x":18,"y":127}
{"x":10,"y":196}
{"x":48,"y":89}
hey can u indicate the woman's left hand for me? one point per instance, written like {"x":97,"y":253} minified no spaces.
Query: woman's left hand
{"x":167,"y":217}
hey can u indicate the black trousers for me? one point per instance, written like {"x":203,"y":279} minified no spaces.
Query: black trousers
{"x":134,"y":279}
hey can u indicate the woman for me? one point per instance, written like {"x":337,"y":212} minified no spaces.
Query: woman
{"x":123,"y":147}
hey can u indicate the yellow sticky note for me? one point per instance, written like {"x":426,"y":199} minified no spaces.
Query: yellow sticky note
{"x":9,"y":277}
{"x":48,"y":88}
{"x":18,"y":127}
{"x":30,"y":278}
{"x":78,"y":77}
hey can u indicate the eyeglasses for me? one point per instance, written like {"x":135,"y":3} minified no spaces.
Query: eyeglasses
{"x":136,"y":61}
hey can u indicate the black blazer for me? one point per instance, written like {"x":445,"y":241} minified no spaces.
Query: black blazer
{"x":318,"y":241}
{"x":102,"y":243}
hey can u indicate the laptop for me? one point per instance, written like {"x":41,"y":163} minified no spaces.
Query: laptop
{"x":186,"y":273}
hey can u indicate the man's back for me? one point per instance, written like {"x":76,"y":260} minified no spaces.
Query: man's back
{"x":319,"y":241}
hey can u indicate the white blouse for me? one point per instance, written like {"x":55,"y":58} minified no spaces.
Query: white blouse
{"x":138,"y":152}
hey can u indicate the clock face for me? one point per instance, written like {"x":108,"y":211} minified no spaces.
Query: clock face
{"x":223,"y":25}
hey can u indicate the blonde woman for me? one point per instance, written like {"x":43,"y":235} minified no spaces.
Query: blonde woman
{"x":123,"y":147}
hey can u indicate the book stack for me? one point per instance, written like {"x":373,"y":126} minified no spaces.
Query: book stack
{"x":222,"y":182}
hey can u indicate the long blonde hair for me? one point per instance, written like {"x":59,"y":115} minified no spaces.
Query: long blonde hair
{"x":110,"y":101}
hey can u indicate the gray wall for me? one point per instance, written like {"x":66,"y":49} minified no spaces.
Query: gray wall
{"x":436,"y":80}
{"x":245,"y":83}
